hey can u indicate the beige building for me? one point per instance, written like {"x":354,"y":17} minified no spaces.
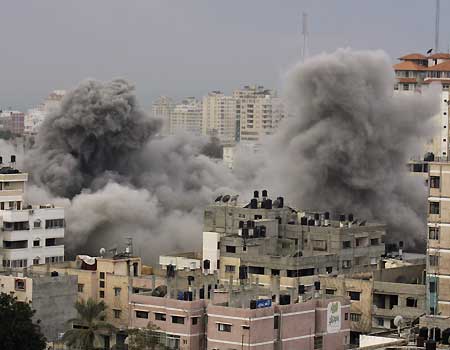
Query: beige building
{"x":259,"y":112}
{"x":219,"y":117}
{"x":187,"y":117}
{"x":162,"y":108}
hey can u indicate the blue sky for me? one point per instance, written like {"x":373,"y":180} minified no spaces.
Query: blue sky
{"x":187,"y":48}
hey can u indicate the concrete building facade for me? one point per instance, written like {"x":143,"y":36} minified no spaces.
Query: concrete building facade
{"x":31,"y":234}
{"x":187,"y":117}
{"x":162,"y":108}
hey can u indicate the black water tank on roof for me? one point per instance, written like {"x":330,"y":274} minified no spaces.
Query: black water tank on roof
{"x":446,"y":336}
{"x":316,"y":216}
{"x":342,"y":218}
{"x":252,"y":304}
{"x":262,"y":231}
{"x":285,"y":299}
{"x":326,"y":216}
{"x":435,"y":334}
{"x":317,"y":285}
{"x":268,"y":204}
{"x":281,"y":202}
{"x":430,"y":345}
{"x":254,"y":203}
{"x":423,"y":332}
{"x":241,"y":224}
{"x":250,"y":224}
{"x":255,"y":194}
{"x":245,"y":232}
{"x":350,"y":217}
{"x":301,"y":289}
{"x":304,"y":221}
{"x":264,"y":193}
{"x":243,"y":272}
{"x":311,"y":222}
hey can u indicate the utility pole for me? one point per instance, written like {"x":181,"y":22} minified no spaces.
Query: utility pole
{"x":305,"y":36}
{"x":436,"y":29}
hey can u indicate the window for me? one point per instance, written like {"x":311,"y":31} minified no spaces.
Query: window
{"x":37,"y":224}
{"x":329,"y":269}
{"x":36,"y":243}
{"x":19,"y":284}
{"x":230,"y":268}
{"x":432,"y":287}
{"x":354,"y":295}
{"x":224,"y":327}
{"x":380,"y":321}
{"x":346,"y":316}
{"x":433,"y":233}
{"x":346,"y":244}
{"x":374,"y":241}
{"x":15,"y":244}
{"x":80,"y":287}
{"x":178,"y":319}
{"x":411,"y":302}
{"x":102,"y":294}
{"x":194,"y":320}
{"x":256,"y":270}
{"x":102,"y":284}
{"x":275,"y":272}
{"x":102,"y":275}
{"x":329,"y":291}
{"x":276,"y":322}
{"x":405,"y":86}
{"x":141,"y":314}
{"x":346,"y":264}
{"x":117,"y":313}
{"x":230,"y":249}
{"x":435,"y":180}
{"x":117,"y":292}
{"x":434,"y":260}
{"x":160,"y":316}
{"x":54,"y":223}
{"x":50,"y":242}
{"x":318,"y":342}
{"x":36,"y":261}
{"x":355,"y":317}
{"x":434,"y":207}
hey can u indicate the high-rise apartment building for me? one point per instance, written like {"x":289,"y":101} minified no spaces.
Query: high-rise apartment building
{"x":187,"y":116}
{"x":219,"y":117}
{"x":438,"y":242}
{"x":414,"y":73}
{"x":30,"y":234}
{"x":162,"y":109}
{"x":12,"y":121}
{"x":259,"y":111}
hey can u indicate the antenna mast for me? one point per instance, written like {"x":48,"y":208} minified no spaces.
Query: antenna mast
{"x":305,"y":36}
{"x":436,"y":29}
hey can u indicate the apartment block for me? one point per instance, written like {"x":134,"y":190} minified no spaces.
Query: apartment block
{"x":162,"y":109}
{"x":12,"y":121}
{"x":187,"y":117}
{"x":30,"y":234}
{"x":438,"y":242}
{"x":51,"y":295}
{"x":268,"y":238}
{"x":219,"y":117}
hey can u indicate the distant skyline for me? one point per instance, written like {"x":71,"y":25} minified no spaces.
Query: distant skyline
{"x":188,"y":48}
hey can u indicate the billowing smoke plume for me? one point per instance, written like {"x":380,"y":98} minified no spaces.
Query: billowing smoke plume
{"x":101,"y":151}
{"x":346,"y":146}
{"x":343,"y":148}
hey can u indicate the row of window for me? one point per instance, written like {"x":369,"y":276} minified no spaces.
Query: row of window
{"x":49,"y":242}
{"x":24,"y":225}
{"x":162,"y":317}
{"x":360,"y":242}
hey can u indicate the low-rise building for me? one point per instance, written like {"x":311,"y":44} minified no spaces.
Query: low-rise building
{"x":52,"y":296}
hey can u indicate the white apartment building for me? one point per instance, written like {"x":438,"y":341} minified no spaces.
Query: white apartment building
{"x":187,"y":117}
{"x":416,"y":72}
{"x":259,"y":112}
{"x":162,"y":108}
{"x":220,"y":118}
{"x":36,"y":116}
{"x":30,"y":234}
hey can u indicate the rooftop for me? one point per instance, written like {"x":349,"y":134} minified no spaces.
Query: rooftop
{"x":413,"y":56}
{"x":408,"y":65}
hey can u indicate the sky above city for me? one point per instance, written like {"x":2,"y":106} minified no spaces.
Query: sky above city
{"x":187,"y":48}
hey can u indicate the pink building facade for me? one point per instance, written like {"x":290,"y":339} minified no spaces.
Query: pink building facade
{"x":321,"y":323}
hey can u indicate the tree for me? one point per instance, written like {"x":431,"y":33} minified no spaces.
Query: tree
{"x":146,"y":338}
{"x":17,"y":330}
{"x":88,"y":326}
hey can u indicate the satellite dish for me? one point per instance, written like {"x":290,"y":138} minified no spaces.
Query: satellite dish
{"x":235,"y":198}
{"x":398,"y":321}
{"x":226,"y":198}
{"x":102,"y":251}
{"x":218,"y":198}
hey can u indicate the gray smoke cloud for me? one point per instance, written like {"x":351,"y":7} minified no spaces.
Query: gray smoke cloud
{"x":346,"y":146}
{"x":105,"y":155}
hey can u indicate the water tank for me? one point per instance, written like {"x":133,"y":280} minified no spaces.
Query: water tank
{"x":304,"y":221}
{"x":280,"y":202}
{"x":420,"y":342}
{"x":429,"y":157}
{"x":350,"y":217}
{"x":241,"y":224}
{"x":206,"y":264}
{"x":285,"y":299}
{"x":254,"y":203}
{"x":262,"y":231}
{"x":446,"y":336}
{"x":250,"y":224}
{"x":268,"y":204}
{"x":245,"y":232}
{"x":423,"y":332}
{"x":13,"y":158}
{"x":435,"y":334}
{"x":311,"y":222}
{"x":187,"y":296}
{"x":430,"y":345}
{"x":252,"y":304}
{"x":316,"y":216}
{"x":255,"y":194}
{"x":317,"y":285}
{"x":341,"y":218}
{"x":301,"y":289}
{"x":170,"y":271}
{"x":326,"y":215}
{"x":264,"y":193}
{"x":190,"y":279}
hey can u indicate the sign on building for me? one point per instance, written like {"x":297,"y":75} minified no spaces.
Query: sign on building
{"x":262,"y":303}
{"x":334,"y":317}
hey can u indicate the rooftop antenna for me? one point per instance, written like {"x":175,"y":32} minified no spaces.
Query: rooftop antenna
{"x":436,"y":29}
{"x":305,"y":36}
{"x":129,"y":248}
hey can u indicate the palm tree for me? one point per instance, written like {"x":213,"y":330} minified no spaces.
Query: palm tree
{"x":86,"y":328}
